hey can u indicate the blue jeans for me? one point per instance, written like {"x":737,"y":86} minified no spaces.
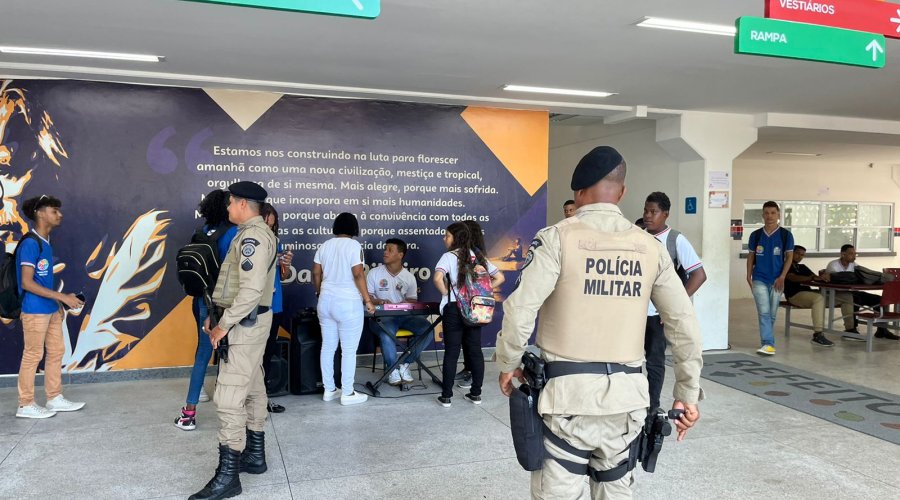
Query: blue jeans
{"x":202,"y":356}
{"x":766,"y":299}
{"x":416,"y":324}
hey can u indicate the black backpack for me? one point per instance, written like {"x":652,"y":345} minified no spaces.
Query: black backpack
{"x":198,"y":262}
{"x":10,"y":300}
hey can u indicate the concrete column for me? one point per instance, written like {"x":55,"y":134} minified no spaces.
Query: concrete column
{"x":702,"y":143}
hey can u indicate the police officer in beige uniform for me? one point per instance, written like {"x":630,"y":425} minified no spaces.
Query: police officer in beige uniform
{"x":242,"y":297}
{"x":591,"y":277}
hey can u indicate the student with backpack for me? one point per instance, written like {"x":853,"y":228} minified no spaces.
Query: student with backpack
{"x":218,"y":232}
{"x":42,"y":314}
{"x":688,"y":267}
{"x":768,"y":262}
{"x":466,"y":280}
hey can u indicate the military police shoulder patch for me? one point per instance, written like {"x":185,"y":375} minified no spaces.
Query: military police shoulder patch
{"x":535,"y":244}
{"x":248,"y":246}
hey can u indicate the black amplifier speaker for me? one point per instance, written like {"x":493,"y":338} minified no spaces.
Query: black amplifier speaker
{"x":305,"y":351}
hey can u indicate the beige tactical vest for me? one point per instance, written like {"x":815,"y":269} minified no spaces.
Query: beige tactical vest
{"x":598,"y":310}
{"x":228,"y":282}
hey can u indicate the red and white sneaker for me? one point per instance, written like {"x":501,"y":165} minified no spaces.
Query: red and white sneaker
{"x":187,"y":421}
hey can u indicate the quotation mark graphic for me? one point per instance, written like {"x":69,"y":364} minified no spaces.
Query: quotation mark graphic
{"x":164,"y":161}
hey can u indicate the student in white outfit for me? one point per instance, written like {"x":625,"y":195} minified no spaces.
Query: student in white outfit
{"x":340,"y":284}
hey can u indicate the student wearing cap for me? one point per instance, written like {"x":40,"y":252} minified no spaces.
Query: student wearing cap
{"x":592,"y":277}
{"x":243,"y":300}
{"x":42,"y":314}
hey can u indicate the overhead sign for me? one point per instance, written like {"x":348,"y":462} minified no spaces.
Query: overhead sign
{"x":862,"y":15}
{"x":776,"y":38}
{"x":369,"y":9}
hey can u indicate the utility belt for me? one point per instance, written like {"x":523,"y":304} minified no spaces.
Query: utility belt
{"x":529,"y":430}
{"x":250,"y":318}
{"x":247,"y":322}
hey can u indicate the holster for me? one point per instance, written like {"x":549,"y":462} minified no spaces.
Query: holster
{"x":527,"y":427}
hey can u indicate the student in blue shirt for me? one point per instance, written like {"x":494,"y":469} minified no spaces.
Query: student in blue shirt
{"x":768,"y":262}
{"x":42,"y":314}
{"x":214,"y":211}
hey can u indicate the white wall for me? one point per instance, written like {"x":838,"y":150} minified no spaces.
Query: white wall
{"x":650,"y":168}
{"x":810,"y":179}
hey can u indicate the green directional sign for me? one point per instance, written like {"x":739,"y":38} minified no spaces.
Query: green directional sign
{"x":772,"y":37}
{"x":369,"y":9}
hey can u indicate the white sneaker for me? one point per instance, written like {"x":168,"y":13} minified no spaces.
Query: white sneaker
{"x":404,"y":373}
{"x":204,"y":397}
{"x":34,"y":411}
{"x":59,"y":403}
{"x":394,"y":378}
{"x":331,"y":395}
{"x":354,"y":399}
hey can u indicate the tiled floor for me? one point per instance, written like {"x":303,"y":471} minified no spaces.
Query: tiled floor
{"x":123,"y":444}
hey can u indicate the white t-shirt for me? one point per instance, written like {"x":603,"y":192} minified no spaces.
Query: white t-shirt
{"x":392,"y":288}
{"x":687,"y":257}
{"x":337,"y":257}
{"x":835,"y":266}
{"x":448,"y":264}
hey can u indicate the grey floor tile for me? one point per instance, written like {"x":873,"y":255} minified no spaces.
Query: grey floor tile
{"x":753,"y":466}
{"x":267,"y":492}
{"x":493,"y":479}
{"x":365,"y":439}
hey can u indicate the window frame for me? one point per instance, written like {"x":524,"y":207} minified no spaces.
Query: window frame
{"x":822,"y":227}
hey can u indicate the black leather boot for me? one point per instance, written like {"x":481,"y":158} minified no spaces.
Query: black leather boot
{"x":253,"y":459}
{"x":227,"y":481}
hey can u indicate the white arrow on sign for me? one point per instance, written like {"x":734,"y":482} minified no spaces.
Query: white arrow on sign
{"x":897,"y":20}
{"x":875,"y":47}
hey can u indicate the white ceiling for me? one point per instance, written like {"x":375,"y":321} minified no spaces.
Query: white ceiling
{"x":458,"y":51}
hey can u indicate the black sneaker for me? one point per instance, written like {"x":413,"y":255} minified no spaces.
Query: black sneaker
{"x":445,"y":402}
{"x":275,"y":408}
{"x":883,"y":333}
{"x":464,"y":380}
{"x":820,"y":340}
{"x":473,"y":398}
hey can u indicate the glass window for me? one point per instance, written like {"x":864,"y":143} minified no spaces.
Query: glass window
{"x":840,"y":214}
{"x":836,"y":237}
{"x":875,"y":238}
{"x":875,"y":215}
{"x":800,"y":214}
{"x":806,"y":237}
{"x":753,"y":213}
{"x":826,"y":226}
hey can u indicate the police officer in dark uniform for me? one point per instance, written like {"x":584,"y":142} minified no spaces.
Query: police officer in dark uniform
{"x":591,"y":277}
{"x":242,"y":298}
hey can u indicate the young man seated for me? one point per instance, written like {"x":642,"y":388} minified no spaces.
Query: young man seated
{"x":391,"y":283}
{"x":800,"y":295}
{"x":850,"y":301}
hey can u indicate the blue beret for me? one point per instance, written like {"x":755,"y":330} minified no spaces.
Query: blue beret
{"x":248,"y":191}
{"x":594,"y":166}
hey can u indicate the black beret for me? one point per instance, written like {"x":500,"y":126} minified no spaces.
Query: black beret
{"x":594,"y":166}
{"x":248,"y":191}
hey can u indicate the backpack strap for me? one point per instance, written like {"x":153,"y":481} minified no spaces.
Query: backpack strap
{"x":753,"y":241}
{"x":671,"y":241}
{"x":33,"y":236}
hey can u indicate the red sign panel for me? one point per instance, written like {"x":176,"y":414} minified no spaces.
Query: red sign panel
{"x":872,"y":16}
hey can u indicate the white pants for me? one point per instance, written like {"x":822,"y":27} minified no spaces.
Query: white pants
{"x":341,"y":320}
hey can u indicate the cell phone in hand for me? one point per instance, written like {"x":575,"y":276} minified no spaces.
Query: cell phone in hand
{"x":79,"y":296}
